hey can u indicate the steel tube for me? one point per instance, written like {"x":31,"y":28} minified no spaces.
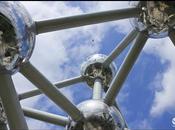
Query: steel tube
{"x":125,"y":68}
{"x":33,"y":75}
{"x":11,"y":104}
{"x":120,"y":47}
{"x":85,"y":19}
{"x":97,"y":89}
{"x":45,"y":116}
{"x":60,"y":84}
{"x":172,"y":36}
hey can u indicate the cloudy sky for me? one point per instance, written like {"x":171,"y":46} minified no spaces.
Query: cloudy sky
{"x":147,"y":98}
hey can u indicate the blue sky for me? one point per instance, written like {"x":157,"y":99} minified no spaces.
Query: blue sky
{"x":146,"y":99}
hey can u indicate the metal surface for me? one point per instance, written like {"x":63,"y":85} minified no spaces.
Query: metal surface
{"x":97,"y":89}
{"x":60,"y":84}
{"x":17,"y":37}
{"x":120,"y":47}
{"x":157,"y":17}
{"x":171,"y":23}
{"x":11,"y":104}
{"x":172,"y":35}
{"x":85,"y":19}
{"x":98,"y":116}
{"x":93,"y":68}
{"x":45,"y":116}
{"x":120,"y":114}
{"x":125,"y":68}
{"x":32,"y":74}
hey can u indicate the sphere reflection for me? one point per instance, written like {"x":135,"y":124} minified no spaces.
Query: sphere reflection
{"x":17,"y":36}
{"x":155,"y":17}
{"x":98,"y":116}
{"x":93,"y":67}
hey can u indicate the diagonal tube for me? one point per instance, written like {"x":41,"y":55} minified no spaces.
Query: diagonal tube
{"x":33,"y":75}
{"x":172,"y":36}
{"x":85,"y":19}
{"x":11,"y":104}
{"x":45,"y":116}
{"x":60,"y":84}
{"x":120,"y":47}
{"x":125,"y":68}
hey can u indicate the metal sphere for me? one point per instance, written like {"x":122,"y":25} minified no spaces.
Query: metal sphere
{"x":93,"y":68}
{"x":98,"y":116}
{"x":155,"y":17}
{"x":17,"y":37}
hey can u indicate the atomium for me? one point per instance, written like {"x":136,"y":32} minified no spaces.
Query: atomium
{"x":17,"y":36}
{"x":150,"y":19}
{"x":156,"y":17}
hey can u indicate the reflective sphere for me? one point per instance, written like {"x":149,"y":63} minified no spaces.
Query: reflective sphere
{"x":98,"y":116}
{"x":93,"y":68}
{"x":17,"y":36}
{"x":156,"y":17}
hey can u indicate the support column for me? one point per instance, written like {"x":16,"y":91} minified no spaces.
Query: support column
{"x":11,"y":104}
{"x":97,"y":89}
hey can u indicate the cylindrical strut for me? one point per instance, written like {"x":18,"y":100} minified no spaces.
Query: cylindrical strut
{"x":11,"y":104}
{"x":97,"y":89}
{"x":85,"y":19}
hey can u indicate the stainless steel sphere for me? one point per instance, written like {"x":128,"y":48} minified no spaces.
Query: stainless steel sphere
{"x":156,"y":17}
{"x":98,"y":116}
{"x":93,"y":68}
{"x":17,"y":37}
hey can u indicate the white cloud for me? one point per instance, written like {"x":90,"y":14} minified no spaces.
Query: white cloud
{"x":140,"y":124}
{"x":121,"y":26}
{"x":164,"y":82}
{"x":144,"y":124}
